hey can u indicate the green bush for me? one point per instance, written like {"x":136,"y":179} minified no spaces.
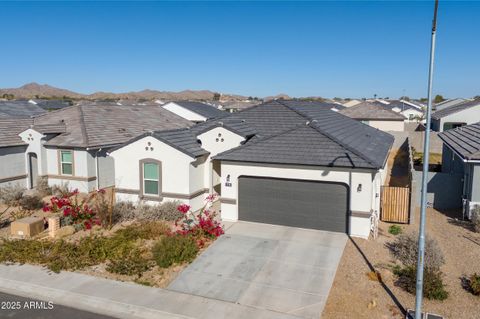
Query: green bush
{"x":174,"y":249}
{"x":31,"y":202}
{"x":395,"y":230}
{"x":474,"y":284}
{"x":59,"y":255}
{"x":133,"y":264}
{"x":433,"y":287}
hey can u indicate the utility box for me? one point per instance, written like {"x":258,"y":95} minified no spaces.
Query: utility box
{"x":27,"y":227}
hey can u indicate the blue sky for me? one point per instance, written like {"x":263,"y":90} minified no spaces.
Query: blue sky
{"x":348,"y":49}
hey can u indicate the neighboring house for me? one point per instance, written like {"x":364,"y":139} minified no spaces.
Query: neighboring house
{"x":457,"y":115}
{"x":194,"y":111}
{"x":235,"y":106}
{"x":411,"y":111}
{"x":282,"y":162}
{"x":461,"y":155}
{"x":447,"y":103}
{"x":351,"y":103}
{"x":51,"y":105}
{"x":377,"y":116}
{"x":12,"y":152}
{"x":70,"y":145}
{"x":19,"y":109}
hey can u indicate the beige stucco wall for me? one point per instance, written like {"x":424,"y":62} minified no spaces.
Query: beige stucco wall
{"x":398,"y":126}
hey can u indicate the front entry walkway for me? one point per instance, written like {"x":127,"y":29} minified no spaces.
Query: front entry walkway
{"x":283,"y":269}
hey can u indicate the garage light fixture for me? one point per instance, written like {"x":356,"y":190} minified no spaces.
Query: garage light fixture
{"x":359,"y":188}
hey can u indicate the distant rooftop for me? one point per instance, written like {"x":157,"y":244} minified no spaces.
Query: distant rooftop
{"x":455,"y":108}
{"x":206,"y":110}
{"x":371,"y":111}
{"x":19,"y":109}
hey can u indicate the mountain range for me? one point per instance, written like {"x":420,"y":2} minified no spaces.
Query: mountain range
{"x":35,"y":90}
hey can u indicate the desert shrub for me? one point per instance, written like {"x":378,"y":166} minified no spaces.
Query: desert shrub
{"x":121,"y":247}
{"x":42,"y":187}
{"x":31,"y":202}
{"x":19,"y":214}
{"x":174,"y":249}
{"x":433,"y":287}
{"x":473,"y":284}
{"x":61,"y":190}
{"x":11,"y":194}
{"x":124,"y":211}
{"x":133,"y":264}
{"x":476,"y":218}
{"x":405,"y":249}
{"x":395,"y":230}
{"x":164,"y":211}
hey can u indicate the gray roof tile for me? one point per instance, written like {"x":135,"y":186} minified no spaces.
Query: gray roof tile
{"x":208,"y":111}
{"x":9,"y":130}
{"x":18,"y":109}
{"x":455,"y":108}
{"x":464,"y":140}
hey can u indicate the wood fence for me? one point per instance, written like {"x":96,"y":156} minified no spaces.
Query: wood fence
{"x":395,"y":204}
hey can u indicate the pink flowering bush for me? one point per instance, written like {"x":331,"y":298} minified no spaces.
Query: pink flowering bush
{"x":203,"y":224}
{"x":74,"y":211}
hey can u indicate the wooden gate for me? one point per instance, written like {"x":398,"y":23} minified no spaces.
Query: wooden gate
{"x":395,"y":204}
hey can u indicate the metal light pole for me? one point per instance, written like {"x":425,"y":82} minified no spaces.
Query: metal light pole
{"x":426,"y":147}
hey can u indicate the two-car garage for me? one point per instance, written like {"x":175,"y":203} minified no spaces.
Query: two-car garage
{"x":297,"y":203}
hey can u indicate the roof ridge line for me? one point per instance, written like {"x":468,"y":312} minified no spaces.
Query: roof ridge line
{"x":354,"y":151}
{"x":82,"y":124}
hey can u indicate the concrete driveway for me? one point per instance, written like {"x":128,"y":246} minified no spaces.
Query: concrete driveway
{"x":278,"y":268}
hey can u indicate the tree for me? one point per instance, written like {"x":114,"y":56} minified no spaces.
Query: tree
{"x":216,"y":96}
{"x":405,"y":98}
{"x":438,"y":98}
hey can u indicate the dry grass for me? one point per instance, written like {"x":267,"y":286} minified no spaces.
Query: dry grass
{"x":353,"y":292}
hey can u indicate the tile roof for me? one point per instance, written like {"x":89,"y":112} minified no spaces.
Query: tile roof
{"x":371,"y":111}
{"x":455,"y":108}
{"x":97,"y":125}
{"x":464,"y":140}
{"x":364,"y":146}
{"x":19,"y":109}
{"x":235,"y":125}
{"x":9,"y":130}
{"x":203,"y":109}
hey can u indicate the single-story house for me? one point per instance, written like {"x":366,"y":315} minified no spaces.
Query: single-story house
{"x":377,"y":116}
{"x":194,"y":111}
{"x":353,"y":102}
{"x":461,"y":155}
{"x":411,"y":111}
{"x":456,"y":115}
{"x":19,"y":109}
{"x":450,"y":102}
{"x":282,"y":162}
{"x":235,"y":106}
{"x":70,"y":145}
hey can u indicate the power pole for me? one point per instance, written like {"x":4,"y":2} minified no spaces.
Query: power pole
{"x":426,"y":147}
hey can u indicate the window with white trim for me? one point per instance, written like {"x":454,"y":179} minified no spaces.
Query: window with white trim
{"x":66,"y":162}
{"x":151,"y":179}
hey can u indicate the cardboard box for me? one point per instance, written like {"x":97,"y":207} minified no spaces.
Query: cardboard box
{"x":27,"y":227}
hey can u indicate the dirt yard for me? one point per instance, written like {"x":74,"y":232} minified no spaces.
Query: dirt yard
{"x":354,"y":295}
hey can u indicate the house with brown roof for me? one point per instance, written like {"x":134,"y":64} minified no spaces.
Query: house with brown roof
{"x":70,"y":145}
{"x":375,"y":115}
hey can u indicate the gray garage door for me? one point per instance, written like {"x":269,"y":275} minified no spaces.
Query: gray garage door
{"x":296,"y":203}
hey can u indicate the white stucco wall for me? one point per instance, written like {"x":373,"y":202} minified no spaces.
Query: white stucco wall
{"x":183,"y":112}
{"x":215,"y":141}
{"x":398,"y":126}
{"x":178,"y":175}
{"x":468,"y":116}
{"x":414,"y":113}
{"x":363,"y":201}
